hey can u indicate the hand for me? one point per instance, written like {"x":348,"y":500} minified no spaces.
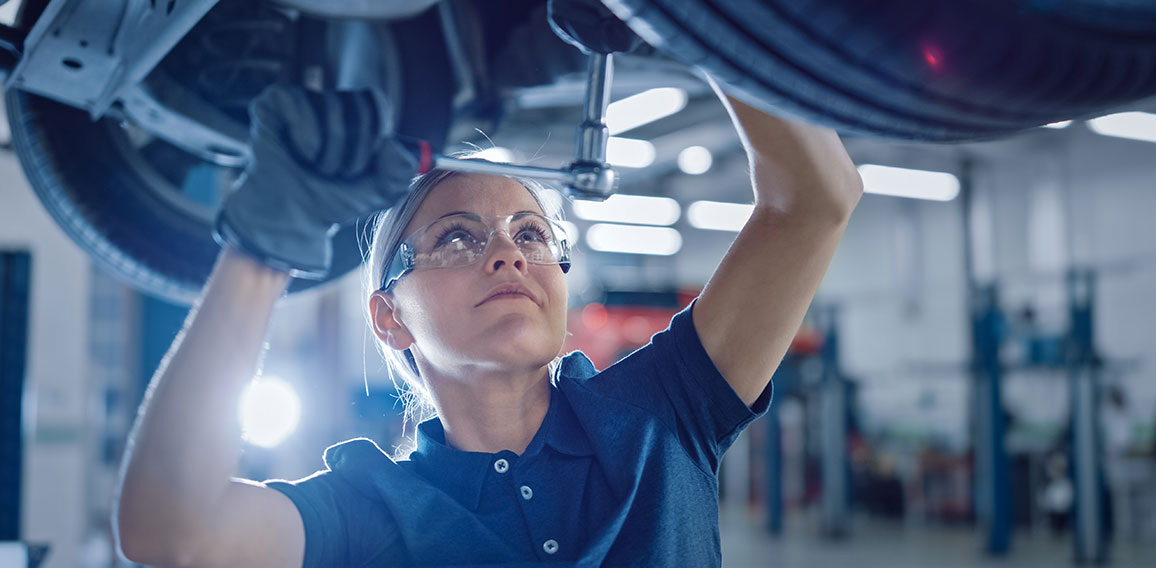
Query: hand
{"x":318,"y":160}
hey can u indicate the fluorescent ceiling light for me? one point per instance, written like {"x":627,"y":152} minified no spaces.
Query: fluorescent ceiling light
{"x":901,"y":182}
{"x":718,"y":216}
{"x":495,"y":154}
{"x":1058,"y":125}
{"x":631,"y":239}
{"x":643,"y":108}
{"x":270,"y":410}
{"x":694,"y":160}
{"x":1133,"y":125}
{"x":629,"y":152}
{"x":622,"y":208}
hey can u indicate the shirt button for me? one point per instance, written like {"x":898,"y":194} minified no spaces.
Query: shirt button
{"x":501,"y":466}
{"x":550,"y":546}
{"x":527,"y":493}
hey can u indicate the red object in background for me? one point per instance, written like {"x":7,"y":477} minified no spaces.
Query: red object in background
{"x":607,"y":333}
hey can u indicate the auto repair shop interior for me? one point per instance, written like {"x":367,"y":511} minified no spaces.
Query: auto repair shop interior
{"x":974,"y":383}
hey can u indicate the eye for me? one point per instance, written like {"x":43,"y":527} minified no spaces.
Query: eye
{"x":533,"y":232}
{"x":455,"y":234}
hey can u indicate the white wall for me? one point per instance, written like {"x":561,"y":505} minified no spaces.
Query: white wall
{"x":55,"y":391}
{"x":1043,"y":204}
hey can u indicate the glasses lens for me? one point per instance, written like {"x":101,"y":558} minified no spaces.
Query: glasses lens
{"x":461,"y":239}
{"x":535,"y":236}
{"x":450,"y":241}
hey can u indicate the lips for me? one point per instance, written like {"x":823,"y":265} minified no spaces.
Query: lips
{"x":508,"y":290}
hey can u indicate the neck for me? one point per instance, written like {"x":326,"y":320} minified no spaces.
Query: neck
{"x":491,"y":411}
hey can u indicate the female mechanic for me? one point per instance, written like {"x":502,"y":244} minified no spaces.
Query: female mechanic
{"x":531,"y":458}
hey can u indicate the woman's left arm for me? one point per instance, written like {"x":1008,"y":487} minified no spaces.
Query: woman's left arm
{"x":805,"y":188}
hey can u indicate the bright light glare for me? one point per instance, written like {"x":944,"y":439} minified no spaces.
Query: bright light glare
{"x":645,"y":107}
{"x":1133,"y":125}
{"x":1058,"y":125}
{"x":622,"y":208}
{"x":694,"y":160}
{"x":629,"y":152}
{"x":269,"y":411}
{"x":495,"y":154}
{"x":718,"y":216}
{"x":901,"y":182}
{"x":571,"y":231}
{"x":631,"y":239}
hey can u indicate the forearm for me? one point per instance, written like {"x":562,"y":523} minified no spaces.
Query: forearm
{"x":185,"y":444}
{"x":805,"y":188}
{"x":796,"y":168}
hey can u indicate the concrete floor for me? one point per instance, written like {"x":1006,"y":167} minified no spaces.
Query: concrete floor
{"x":873,"y":544}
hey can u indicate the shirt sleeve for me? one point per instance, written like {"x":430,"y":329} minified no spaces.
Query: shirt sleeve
{"x":342,"y":527}
{"x":675,"y":379}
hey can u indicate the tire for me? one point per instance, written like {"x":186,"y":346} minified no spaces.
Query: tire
{"x":118,"y":204}
{"x":930,"y":70}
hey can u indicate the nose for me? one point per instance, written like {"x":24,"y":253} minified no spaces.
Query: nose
{"x":504,"y":252}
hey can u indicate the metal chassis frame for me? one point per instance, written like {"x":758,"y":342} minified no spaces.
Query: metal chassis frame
{"x":92,"y":55}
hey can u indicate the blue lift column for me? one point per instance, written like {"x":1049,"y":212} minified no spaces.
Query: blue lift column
{"x":15,"y":291}
{"x":991,"y":499}
{"x":1089,"y":530}
{"x":993,"y":483}
{"x":833,"y":403}
{"x":774,"y":469}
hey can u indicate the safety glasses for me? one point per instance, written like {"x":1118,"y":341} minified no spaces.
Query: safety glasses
{"x":462,"y":239}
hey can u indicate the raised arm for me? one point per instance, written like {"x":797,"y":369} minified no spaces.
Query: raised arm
{"x":177,"y":505}
{"x":318,"y":160}
{"x":805,"y":188}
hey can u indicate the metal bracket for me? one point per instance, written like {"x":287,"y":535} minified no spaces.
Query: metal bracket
{"x":89,"y":54}
{"x":589,"y":176}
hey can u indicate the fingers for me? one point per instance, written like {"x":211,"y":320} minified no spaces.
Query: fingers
{"x":285,"y":112}
{"x":364,"y":139}
{"x":334,"y":133}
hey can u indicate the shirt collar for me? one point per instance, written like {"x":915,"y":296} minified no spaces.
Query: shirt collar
{"x":462,"y":474}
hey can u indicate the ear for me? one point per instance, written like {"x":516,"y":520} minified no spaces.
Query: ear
{"x":386,"y":323}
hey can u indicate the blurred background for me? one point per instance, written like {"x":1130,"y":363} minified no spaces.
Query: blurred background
{"x":975,"y":384}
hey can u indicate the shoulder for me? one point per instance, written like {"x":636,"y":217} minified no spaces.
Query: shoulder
{"x":353,"y":454}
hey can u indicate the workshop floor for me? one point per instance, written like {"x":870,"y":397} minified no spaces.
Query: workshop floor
{"x":745,"y":544}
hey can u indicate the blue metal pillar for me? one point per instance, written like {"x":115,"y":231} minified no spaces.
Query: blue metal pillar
{"x":993,"y":483}
{"x":774,"y":469}
{"x":15,"y":282}
{"x":1090,"y":535}
{"x":833,"y":404}
{"x":160,"y":321}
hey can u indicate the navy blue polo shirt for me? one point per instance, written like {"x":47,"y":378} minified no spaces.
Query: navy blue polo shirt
{"x":622,"y":472}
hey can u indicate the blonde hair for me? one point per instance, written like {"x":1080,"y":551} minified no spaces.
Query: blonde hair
{"x":388,"y":230}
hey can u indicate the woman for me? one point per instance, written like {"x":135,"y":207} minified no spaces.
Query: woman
{"x":528,"y":460}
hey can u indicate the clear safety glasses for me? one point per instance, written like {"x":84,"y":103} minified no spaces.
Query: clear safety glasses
{"x":462,"y":239}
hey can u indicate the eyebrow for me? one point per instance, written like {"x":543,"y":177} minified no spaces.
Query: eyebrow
{"x":518,"y":214}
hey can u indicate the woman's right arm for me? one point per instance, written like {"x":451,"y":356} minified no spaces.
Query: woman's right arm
{"x":178,"y":504}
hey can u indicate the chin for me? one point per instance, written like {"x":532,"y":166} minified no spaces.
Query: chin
{"x":527,"y":347}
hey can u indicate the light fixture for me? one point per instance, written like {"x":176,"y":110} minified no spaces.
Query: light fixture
{"x":623,"y":208}
{"x":495,"y":154}
{"x":632,"y":239}
{"x":902,"y":182}
{"x":1132,"y":125}
{"x":1058,"y":125}
{"x":629,"y":152}
{"x":645,"y":107}
{"x":694,"y":160}
{"x":718,"y":215}
{"x":269,"y":410}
